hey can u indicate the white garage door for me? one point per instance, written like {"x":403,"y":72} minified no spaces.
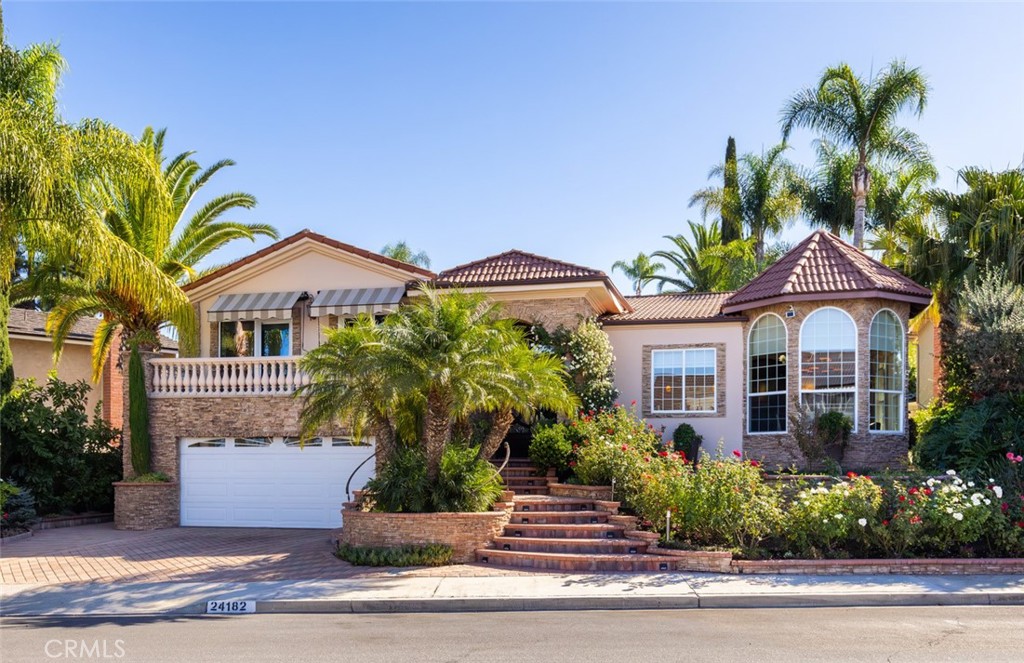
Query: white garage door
{"x":268,"y":481}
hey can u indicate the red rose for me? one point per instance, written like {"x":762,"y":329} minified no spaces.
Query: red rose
{"x":663,"y":454}
{"x":647,"y":459}
{"x":1021,"y":524}
{"x":913,"y":490}
{"x":754,"y":463}
{"x":903,"y":498}
{"x":851,"y":475}
{"x":927,"y":491}
{"x":737,"y":453}
{"x":1005,"y":507}
{"x":624,"y":447}
{"x":572,"y":463}
{"x":633,"y":402}
{"x":915,"y":520}
{"x":611,"y":431}
{"x":885,"y":522}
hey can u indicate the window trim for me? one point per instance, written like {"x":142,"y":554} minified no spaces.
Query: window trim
{"x":856,"y":364}
{"x":714,"y":364}
{"x":903,"y":381}
{"x":257,"y":337}
{"x":785,"y":393}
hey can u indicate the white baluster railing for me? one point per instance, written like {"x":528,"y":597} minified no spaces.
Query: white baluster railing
{"x":234,"y":376}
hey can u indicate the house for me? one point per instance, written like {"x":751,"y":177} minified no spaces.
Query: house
{"x":32,"y":349}
{"x":825,"y":326}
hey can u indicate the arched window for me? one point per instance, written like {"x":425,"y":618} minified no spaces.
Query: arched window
{"x":828,"y":362}
{"x":886,"y":386}
{"x":766,"y":376}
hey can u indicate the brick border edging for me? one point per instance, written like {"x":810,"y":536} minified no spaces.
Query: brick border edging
{"x":17,"y":537}
{"x":146,"y":506}
{"x":60,"y":522}
{"x":722,"y":562}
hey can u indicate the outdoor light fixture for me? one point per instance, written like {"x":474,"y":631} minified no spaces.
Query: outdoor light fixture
{"x":790,"y":312}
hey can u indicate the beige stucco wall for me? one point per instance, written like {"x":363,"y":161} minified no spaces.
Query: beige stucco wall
{"x":306,"y":267}
{"x":925,"y":362}
{"x":632,"y":345}
{"x":33,"y":358}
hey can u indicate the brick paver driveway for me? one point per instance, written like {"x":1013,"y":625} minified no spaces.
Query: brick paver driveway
{"x":190,"y":554}
{"x":184,"y":554}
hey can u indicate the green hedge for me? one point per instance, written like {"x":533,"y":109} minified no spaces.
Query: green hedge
{"x":432,"y":554}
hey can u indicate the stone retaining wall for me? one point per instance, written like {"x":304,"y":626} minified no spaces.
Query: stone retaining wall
{"x":464,"y":532}
{"x":582,"y":492}
{"x":144,"y":506}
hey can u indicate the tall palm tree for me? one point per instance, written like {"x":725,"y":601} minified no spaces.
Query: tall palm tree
{"x":43,"y":163}
{"x":403,"y":252}
{"x":861,"y":115}
{"x":640,"y":271}
{"x":694,"y":271}
{"x":445,"y":357}
{"x":769,"y":195}
{"x":173,"y":239}
{"x":825,"y":195}
{"x":900,"y":195}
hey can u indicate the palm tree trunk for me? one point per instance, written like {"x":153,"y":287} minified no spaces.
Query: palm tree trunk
{"x":861,"y":186}
{"x":387,"y":444}
{"x":501,"y":422}
{"x":6,"y":359}
{"x":759,"y":249}
{"x":437,"y":430}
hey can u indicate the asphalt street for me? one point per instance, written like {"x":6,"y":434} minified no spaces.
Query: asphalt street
{"x":988,"y":634}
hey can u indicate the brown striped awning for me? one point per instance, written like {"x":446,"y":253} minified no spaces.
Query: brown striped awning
{"x":254,"y":306}
{"x":355,"y":301}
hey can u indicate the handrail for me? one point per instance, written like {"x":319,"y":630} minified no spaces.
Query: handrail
{"x":229,"y":376}
{"x":348,"y":484}
{"x":508,"y":454}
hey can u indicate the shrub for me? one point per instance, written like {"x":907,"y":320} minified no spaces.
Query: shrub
{"x":589,"y":359}
{"x":52,"y":448}
{"x":551,"y":448}
{"x":19,"y":510}
{"x":832,"y":521}
{"x":150,"y":477}
{"x":686,"y":440}
{"x":432,"y":554}
{"x":138,"y":413}
{"x":465,"y":483}
{"x":614,"y":444}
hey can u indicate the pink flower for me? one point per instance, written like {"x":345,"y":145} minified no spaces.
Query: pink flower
{"x":754,"y":463}
{"x":572,"y":463}
{"x":633,"y":402}
{"x":737,"y":453}
{"x":625,"y":447}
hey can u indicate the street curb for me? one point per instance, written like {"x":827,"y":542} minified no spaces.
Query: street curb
{"x":724,"y":601}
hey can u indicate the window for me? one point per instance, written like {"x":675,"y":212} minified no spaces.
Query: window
{"x":886,"y":373}
{"x":766,"y":376}
{"x":828,"y":362}
{"x":251,"y":338}
{"x":298,"y":442}
{"x":212,"y":443}
{"x":253,"y":442}
{"x":683,"y":380}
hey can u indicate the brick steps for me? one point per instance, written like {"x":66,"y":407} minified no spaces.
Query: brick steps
{"x":566,"y":531}
{"x":589,"y":546}
{"x":522,"y":478}
{"x":575,"y":562}
{"x":544,"y":503}
{"x":556,"y":517}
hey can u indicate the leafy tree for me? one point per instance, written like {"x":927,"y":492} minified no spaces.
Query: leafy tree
{"x":170,"y":239}
{"x":732,"y":212}
{"x":861,"y":115}
{"x":44,"y":164}
{"x":769,"y":195}
{"x":641,"y":271}
{"x":402,"y":252}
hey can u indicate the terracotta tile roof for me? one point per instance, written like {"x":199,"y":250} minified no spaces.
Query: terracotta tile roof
{"x":26,"y":322}
{"x":677,"y":307}
{"x":824,"y":264}
{"x":514,"y":268}
{"x":309,"y":234}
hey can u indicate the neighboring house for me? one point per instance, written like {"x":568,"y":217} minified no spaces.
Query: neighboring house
{"x":824,"y":326}
{"x":32,"y":350}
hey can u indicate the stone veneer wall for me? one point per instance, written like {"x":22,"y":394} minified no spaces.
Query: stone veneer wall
{"x":550,"y":313}
{"x":865,"y":449}
{"x":720,"y":384}
{"x":145,"y":506}
{"x":464,"y":532}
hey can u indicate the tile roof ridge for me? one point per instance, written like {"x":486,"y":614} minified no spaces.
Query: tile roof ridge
{"x":854,"y":259}
{"x":536,"y":256}
{"x":801,"y":262}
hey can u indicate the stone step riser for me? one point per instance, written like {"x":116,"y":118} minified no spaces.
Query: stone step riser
{"x":557,"y":518}
{"x":548,"y":507}
{"x":581,"y":535}
{"x":533,"y":490}
{"x":575,"y":564}
{"x":572,"y":546}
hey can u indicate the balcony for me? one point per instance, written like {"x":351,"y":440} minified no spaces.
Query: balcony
{"x":217,"y":377}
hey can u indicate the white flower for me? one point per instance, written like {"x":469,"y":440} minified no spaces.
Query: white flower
{"x":988,"y":501}
{"x":931,"y":482}
{"x":951,"y":473}
{"x":998,"y":491}
{"x":839,"y":516}
{"x":958,"y":516}
{"x":949,"y":509}
{"x":970,"y":484}
{"x":863,"y":522}
{"x":825,"y":520}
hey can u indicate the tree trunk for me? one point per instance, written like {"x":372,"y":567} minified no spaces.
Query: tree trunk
{"x":387,"y":444}
{"x":501,"y":422}
{"x":861,"y":186}
{"x":759,"y":250}
{"x":437,"y":430}
{"x":6,"y":359}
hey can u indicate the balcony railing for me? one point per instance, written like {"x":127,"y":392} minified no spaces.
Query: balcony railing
{"x":234,"y":376}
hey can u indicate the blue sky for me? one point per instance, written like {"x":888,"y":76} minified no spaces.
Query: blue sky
{"x":574,"y":130}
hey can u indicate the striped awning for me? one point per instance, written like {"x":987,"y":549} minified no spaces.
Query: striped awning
{"x":254,"y":306}
{"x":355,"y":301}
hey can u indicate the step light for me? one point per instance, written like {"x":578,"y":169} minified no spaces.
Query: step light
{"x":662,"y":566}
{"x":632,"y":551}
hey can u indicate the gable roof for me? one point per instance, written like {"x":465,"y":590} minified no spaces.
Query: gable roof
{"x":820,"y":265}
{"x":27,"y":322}
{"x":517,"y":267}
{"x":673,"y":307}
{"x":316,"y":237}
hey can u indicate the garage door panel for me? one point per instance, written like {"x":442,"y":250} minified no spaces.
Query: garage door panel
{"x":273,"y":486}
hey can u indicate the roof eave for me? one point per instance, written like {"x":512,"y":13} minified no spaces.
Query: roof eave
{"x":611,"y":322}
{"x":920,"y":300}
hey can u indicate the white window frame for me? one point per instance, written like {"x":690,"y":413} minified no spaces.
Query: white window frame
{"x":714,"y":399}
{"x":257,"y":336}
{"x":903,"y":378}
{"x":856,"y":364}
{"x":784,"y":393}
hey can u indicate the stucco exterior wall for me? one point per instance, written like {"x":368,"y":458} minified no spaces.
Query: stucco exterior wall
{"x":633,"y":345}
{"x":927,"y":362}
{"x":865,"y":449}
{"x":33,"y":358}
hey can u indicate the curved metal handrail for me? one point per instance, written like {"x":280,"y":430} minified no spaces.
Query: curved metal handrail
{"x":508,"y":455}
{"x":348,"y":483}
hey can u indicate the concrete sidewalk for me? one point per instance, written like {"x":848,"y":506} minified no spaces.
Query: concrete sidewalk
{"x":399,"y":592}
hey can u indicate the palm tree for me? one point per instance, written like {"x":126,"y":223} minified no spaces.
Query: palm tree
{"x":640,"y":271}
{"x":825,"y":195}
{"x":695,"y":272}
{"x":172,"y":239}
{"x":44,"y":161}
{"x":443,"y":358}
{"x":902,"y":195}
{"x":861,"y":115}
{"x":402,"y":252}
{"x":769,"y":195}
